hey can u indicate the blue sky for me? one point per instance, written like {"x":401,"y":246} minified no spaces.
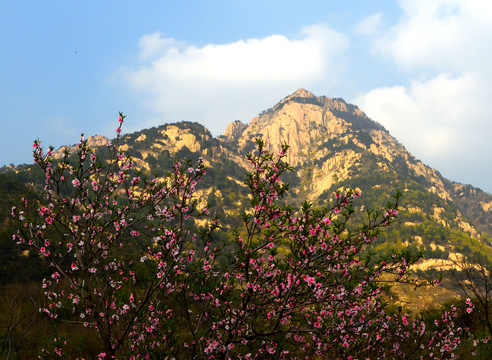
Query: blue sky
{"x":419,"y":67}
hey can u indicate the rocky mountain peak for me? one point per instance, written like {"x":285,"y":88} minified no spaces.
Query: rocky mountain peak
{"x":300,"y":93}
{"x":97,"y":140}
{"x":234,"y":130}
{"x":92,"y":141}
{"x":301,"y":120}
{"x":300,"y":96}
{"x":333,"y":139}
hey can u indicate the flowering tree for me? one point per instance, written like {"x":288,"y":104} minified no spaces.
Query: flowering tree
{"x":130,"y":262}
{"x":92,"y":211}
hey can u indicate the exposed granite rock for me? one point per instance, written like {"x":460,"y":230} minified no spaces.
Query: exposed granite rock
{"x":92,"y":141}
{"x":234,"y":130}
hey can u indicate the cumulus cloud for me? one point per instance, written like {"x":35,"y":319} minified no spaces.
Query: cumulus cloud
{"x":443,"y":114}
{"x":152,"y":45}
{"x":436,"y":119}
{"x":370,"y":25}
{"x":218,"y":83}
{"x":444,"y":35}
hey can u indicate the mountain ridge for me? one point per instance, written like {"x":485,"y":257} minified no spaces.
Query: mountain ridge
{"x":332,"y":144}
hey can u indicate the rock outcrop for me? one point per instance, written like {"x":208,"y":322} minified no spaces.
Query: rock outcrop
{"x":234,"y":130}
{"x":92,"y":141}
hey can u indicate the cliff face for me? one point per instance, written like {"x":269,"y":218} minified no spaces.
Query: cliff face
{"x":300,"y":120}
{"x":234,"y":130}
{"x":331,"y":136}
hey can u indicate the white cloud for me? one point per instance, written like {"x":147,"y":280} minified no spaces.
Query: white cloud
{"x":426,"y":117}
{"x":370,"y":25}
{"x":218,"y":83}
{"x":445,"y":35}
{"x":443,"y":115}
{"x":441,"y":122}
{"x":152,"y":45}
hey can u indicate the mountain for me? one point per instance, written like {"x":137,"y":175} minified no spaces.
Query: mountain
{"x":333,"y":144}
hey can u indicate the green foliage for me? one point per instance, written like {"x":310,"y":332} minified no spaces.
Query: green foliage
{"x":17,"y":263}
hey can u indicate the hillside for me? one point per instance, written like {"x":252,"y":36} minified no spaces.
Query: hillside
{"x":333,"y":144}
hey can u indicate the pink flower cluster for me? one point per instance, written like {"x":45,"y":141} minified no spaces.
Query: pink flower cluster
{"x":292,"y":283}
